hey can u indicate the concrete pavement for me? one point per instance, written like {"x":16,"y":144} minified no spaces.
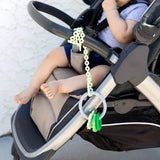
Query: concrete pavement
{"x":78,"y":149}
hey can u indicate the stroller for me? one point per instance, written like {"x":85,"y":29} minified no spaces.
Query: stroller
{"x":132,"y":120}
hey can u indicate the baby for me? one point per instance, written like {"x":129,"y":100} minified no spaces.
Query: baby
{"x":117,"y":34}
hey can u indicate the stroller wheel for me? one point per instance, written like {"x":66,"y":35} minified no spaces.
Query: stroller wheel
{"x":14,"y":153}
{"x":16,"y":158}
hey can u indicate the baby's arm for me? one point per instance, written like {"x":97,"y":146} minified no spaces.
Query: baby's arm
{"x":122,"y":30}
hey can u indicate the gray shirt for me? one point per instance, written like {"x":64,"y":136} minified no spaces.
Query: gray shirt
{"x":133,"y":12}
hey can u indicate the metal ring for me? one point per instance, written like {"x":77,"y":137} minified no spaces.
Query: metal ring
{"x":96,"y":94}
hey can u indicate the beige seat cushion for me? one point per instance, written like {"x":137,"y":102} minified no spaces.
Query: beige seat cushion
{"x":44,"y":111}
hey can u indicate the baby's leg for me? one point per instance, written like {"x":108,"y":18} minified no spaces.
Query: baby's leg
{"x":74,"y":83}
{"x":56,"y":58}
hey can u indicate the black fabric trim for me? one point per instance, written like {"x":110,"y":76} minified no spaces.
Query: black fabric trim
{"x":70,"y":108}
{"x":126,"y":137}
{"x":27,"y":132}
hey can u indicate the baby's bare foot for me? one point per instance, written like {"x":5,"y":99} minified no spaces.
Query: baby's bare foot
{"x":50,"y":89}
{"x":25,"y":96}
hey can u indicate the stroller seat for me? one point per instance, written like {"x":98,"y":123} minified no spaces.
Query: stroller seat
{"x":42,"y":126}
{"x":41,"y":102}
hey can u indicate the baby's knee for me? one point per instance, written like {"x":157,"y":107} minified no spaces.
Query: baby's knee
{"x":53,"y":53}
{"x":58,"y":57}
{"x":53,"y":56}
{"x":100,"y":69}
{"x":98,"y":73}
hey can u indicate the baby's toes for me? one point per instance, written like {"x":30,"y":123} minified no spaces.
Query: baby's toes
{"x":44,"y":86}
{"x":46,"y":90}
{"x":50,"y":95}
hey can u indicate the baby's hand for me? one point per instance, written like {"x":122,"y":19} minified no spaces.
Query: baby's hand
{"x":109,"y":5}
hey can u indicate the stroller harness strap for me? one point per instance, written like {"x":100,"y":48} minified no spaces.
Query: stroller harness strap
{"x":104,"y":23}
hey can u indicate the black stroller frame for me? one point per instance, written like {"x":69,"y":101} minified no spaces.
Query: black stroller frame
{"x":132,"y":93}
